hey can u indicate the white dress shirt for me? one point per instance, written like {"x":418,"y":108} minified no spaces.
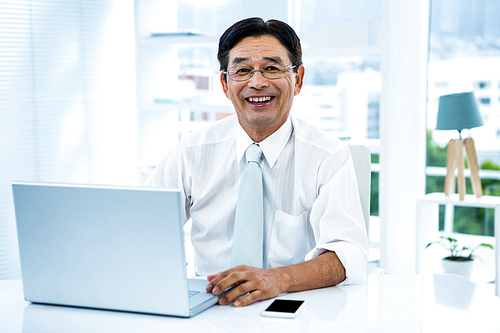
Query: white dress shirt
{"x":311,"y":201}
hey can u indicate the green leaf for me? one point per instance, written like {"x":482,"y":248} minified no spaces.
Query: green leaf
{"x":430,"y":244}
{"x":487,"y":245}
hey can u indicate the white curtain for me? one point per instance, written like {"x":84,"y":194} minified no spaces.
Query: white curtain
{"x":67,"y":100}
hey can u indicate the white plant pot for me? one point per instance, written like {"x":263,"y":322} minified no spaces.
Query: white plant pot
{"x":460,"y":267}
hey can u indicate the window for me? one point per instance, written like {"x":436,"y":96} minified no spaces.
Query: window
{"x":341,"y":55}
{"x":484,"y":101}
{"x":67,"y":106}
{"x":465,"y":54}
{"x":340,"y":40}
{"x":482,"y":85}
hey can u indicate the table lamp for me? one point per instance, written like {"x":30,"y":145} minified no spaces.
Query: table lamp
{"x":458,"y":112}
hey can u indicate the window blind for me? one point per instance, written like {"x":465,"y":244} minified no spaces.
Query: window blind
{"x":67,"y":100}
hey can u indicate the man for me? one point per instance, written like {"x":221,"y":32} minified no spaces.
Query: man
{"x":313,"y":233}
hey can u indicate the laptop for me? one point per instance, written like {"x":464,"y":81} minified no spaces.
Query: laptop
{"x":106,"y":247}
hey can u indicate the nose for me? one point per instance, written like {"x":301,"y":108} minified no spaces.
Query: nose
{"x":258,"y":81}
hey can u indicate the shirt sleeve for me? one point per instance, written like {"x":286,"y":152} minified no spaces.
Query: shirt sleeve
{"x":169,"y":174}
{"x":338,"y":223}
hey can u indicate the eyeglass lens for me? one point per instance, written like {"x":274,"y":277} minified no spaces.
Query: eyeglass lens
{"x":243,"y":73}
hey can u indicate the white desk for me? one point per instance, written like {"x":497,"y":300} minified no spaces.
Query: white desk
{"x":388,"y":303}
{"x":428,"y":224}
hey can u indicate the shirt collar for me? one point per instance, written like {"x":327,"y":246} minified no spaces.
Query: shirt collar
{"x":271,"y":147}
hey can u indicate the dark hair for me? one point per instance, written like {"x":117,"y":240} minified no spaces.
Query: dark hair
{"x":256,"y":27}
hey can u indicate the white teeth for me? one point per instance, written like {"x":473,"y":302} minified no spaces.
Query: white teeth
{"x":259,"y":99}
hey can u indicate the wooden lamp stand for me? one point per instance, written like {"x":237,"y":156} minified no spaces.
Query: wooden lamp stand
{"x":455,"y":160}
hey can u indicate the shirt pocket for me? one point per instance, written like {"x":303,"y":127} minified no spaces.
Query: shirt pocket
{"x":290,"y":239}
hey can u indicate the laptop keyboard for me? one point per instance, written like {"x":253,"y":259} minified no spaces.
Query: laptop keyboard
{"x":193,"y":292}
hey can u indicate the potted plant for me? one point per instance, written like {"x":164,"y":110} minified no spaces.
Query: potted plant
{"x":460,"y":259}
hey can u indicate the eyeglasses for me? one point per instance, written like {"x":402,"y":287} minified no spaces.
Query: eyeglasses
{"x":244,"y":73}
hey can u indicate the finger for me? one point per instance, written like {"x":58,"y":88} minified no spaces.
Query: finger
{"x":214,"y":279}
{"x":252,"y":297}
{"x":225,"y":281}
{"x":210,"y":285}
{"x":238,"y":277}
{"x":213,"y":276}
{"x":239,"y":290}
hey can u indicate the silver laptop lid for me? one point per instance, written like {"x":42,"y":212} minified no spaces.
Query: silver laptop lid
{"x":119,"y":248}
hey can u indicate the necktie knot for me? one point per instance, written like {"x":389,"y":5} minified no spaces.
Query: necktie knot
{"x":253,"y":153}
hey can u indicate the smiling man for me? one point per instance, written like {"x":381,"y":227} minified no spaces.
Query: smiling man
{"x":310,"y":228}
{"x":262,"y":104}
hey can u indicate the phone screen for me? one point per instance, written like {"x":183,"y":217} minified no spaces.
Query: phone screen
{"x":284,"y":305}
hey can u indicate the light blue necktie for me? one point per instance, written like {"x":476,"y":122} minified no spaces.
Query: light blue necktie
{"x":249,"y":218}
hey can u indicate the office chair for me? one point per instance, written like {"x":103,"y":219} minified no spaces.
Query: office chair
{"x":361,"y":158}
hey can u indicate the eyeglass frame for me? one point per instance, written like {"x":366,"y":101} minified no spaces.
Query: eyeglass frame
{"x":252,"y":71}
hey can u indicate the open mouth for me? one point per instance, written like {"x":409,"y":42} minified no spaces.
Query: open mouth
{"x":259,"y":100}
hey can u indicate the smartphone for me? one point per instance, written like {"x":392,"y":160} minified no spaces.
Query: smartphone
{"x":284,"y":308}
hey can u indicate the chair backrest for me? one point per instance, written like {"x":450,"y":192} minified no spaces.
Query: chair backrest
{"x":362,"y":165}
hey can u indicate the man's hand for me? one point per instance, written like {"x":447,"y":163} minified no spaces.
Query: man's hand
{"x":258,"y":283}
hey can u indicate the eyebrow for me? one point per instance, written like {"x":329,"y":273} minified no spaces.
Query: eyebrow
{"x":239,"y":60}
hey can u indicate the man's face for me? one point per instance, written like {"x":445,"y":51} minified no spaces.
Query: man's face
{"x":262,"y":105}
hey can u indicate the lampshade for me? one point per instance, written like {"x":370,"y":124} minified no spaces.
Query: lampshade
{"x":458,"y":111}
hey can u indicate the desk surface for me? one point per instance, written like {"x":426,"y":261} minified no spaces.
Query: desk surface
{"x":389,"y":303}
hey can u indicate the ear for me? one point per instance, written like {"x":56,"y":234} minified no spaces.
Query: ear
{"x":299,"y":80}
{"x":224,"y":85}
